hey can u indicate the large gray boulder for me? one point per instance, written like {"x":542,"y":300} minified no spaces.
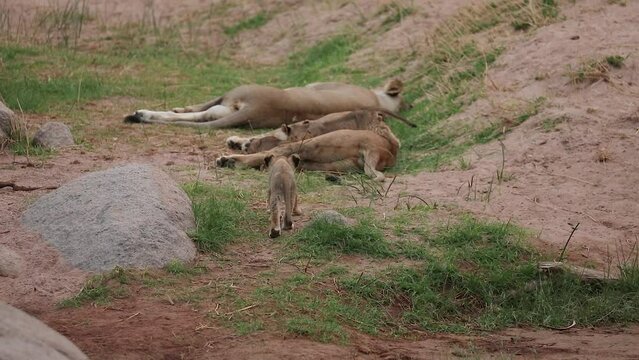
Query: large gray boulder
{"x":128,"y":216}
{"x":11,"y":264}
{"x":23,"y":337}
{"x":53,"y":135}
{"x":10,"y":124}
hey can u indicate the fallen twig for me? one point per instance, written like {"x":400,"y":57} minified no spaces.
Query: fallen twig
{"x":132,"y":316}
{"x":561,"y":328}
{"x":242,"y":309}
{"x":17,"y":187}
{"x":582,"y":272}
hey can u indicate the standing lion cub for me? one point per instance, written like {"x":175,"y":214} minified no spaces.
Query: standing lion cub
{"x":282,"y":193}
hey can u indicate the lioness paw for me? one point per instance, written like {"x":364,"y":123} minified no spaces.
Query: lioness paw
{"x":274,"y":233}
{"x":234,"y":143}
{"x":224,"y":161}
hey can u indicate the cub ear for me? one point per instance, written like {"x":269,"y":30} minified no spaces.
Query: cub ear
{"x":296,"y":160}
{"x":394,"y":87}
{"x":267,"y":160}
{"x":286,"y":129}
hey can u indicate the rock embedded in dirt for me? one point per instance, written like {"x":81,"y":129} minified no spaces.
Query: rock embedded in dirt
{"x":129,"y":216}
{"x":334,"y":217}
{"x":10,"y":124}
{"x":23,"y":337}
{"x":53,"y":135}
{"x":11,"y":264}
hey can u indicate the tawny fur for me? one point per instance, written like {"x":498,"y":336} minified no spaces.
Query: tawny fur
{"x":338,"y":151}
{"x":261,"y":106}
{"x":307,"y":129}
{"x":282,"y":193}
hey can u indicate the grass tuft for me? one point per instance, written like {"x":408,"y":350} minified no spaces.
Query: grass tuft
{"x":101,"y":289}
{"x":253,"y":22}
{"x":593,"y":70}
{"x":394,"y":14}
{"x":223,"y":214}
{"x":177,"y":267}
{"x":323,"y":238}
{"x":616,"y":61}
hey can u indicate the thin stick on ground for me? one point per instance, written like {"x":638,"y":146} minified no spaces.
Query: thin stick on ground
{"x":563,"y":251}
{"x":389,"y":186}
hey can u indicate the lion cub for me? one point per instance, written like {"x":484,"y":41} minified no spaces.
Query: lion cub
{"x":282,"y":193}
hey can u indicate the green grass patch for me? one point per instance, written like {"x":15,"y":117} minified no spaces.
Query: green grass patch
{"x":23,"y":147}
{"x":101,"y":289}
{"x":616,"y":61}
{"x":253,"y":22}
{"x":470,"y":274}
{"x":323,"y":238}
{"x":248,"y":327}
{"x":177,"y":267}
{"x":550,"y":124}
{"x":33,"y":79}
{"x":323,"y":62}
{"x":485,"y":277}
{"x":223,"y":214}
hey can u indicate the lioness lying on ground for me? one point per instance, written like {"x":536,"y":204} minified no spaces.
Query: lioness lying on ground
{"x":307,"y":129}
{"x":262,"y":106}
{"x":339,"y":151}
{"x":282,"y":193}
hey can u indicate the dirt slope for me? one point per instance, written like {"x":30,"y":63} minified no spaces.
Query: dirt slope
{"x":559,"y":175}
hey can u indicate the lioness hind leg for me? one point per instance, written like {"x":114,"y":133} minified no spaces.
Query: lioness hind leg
{"x":296,"y":207}
{"x":276,"y":229}
{"x":198,"y":107}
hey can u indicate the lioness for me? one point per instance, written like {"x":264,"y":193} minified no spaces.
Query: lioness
{"x":282,"y":193}
{"x":304,"y":130}
{"x":262,"y":106}
{"x":338,"y":151}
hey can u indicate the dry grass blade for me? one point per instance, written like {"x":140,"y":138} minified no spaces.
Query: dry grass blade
{"x":589,"y":72}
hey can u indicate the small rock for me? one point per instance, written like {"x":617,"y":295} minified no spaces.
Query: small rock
{"x":53,"y":135}
{"x":333,"y":216}
{"x":11,"y":264}
{"x":10,"y":124}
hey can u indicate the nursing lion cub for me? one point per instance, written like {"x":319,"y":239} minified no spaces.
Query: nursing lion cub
{"x":282,"y":192}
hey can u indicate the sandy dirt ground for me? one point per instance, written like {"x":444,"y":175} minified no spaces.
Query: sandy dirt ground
{"x":553,"y":177}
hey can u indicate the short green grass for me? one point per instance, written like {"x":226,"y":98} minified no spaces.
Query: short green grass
{"x":258,"y":20}
{"x":324,"y":238}
{"x":177,"y":267}
{"x":222,"y":214}
{"x":470,"y":275}
{"x":101,"y":289}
